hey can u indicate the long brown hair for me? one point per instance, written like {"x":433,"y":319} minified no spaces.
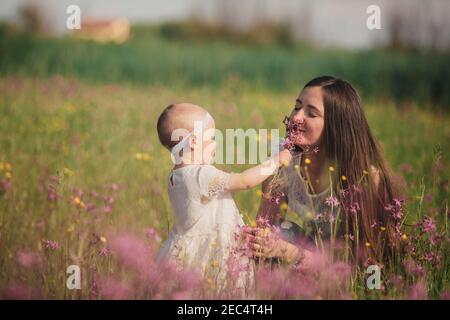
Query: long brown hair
{"x":361,"y":173}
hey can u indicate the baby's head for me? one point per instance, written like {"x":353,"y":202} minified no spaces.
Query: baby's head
{"x":176,"y":126}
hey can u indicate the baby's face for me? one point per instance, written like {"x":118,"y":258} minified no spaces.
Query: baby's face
{"x":209,"y":143}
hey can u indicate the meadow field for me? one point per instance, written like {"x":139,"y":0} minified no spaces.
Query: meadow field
{"x":83,"y":176}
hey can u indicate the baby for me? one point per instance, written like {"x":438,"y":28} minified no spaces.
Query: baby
{"x":205,"y":214}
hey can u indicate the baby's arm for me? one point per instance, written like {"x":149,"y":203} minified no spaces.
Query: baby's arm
{"x":256,"y":175}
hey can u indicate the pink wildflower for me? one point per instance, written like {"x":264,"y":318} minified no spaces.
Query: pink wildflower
{"x":332,"y":201}
{"x":52,"y":245}
{"x":428,"y":225}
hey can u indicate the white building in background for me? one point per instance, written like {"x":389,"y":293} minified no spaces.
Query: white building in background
{"x":325,"y":22}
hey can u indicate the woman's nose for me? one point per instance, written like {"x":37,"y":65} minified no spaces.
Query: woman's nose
{"x":299,"y":117}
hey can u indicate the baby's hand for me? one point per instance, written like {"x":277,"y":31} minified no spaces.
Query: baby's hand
{"x":285,"y":157}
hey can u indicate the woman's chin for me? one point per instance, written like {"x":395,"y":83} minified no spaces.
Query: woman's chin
{"x":305,"y":143}
{"x":300,"y":141}
{"x":302,"y":145}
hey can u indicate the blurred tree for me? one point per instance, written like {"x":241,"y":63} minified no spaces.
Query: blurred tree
{"x":33,"y":19}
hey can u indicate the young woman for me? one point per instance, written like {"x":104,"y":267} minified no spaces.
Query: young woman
{"x":338,"y":168}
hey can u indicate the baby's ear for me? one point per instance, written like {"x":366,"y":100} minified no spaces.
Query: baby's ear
{"x":192,"y":141}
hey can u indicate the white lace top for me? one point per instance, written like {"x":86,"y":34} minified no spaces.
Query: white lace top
{"x":311,"y":208}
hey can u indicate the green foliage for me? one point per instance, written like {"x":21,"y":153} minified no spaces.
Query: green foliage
{"x":171,"y":55}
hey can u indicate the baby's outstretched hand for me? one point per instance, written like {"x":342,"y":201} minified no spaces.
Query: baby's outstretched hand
{"x":285,"y":157}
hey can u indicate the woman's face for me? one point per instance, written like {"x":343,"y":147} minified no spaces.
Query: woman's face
{"x":309,"y":114}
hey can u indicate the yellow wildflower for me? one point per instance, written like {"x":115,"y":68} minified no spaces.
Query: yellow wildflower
{"x":71,"y":228}
{"x":138,"y":156}
{"x":68,"y":172}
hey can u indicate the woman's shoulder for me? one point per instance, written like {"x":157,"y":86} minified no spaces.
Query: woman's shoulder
{"x":375,"y":175}
{"x":293,"y":166}
{"x":285,"y":177}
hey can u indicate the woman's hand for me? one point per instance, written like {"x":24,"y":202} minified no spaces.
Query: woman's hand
{"x":266,"y":244}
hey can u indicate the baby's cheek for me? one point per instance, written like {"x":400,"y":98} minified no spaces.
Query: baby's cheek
{"x":209,"y":149}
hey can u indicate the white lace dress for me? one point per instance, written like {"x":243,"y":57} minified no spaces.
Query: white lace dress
{"x":205,"y":222}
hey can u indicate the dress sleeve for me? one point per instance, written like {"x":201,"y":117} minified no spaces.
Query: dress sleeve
{"x":212,"y":181}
